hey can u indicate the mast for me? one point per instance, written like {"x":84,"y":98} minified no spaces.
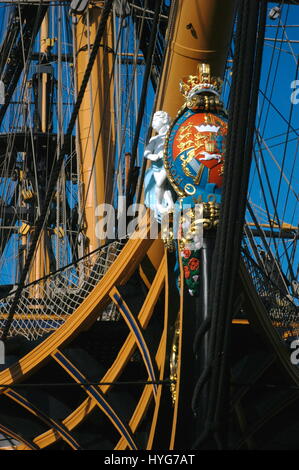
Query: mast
{"x":96,"y":135}
{"x":201,"y":33}
{"x":42,"y":89}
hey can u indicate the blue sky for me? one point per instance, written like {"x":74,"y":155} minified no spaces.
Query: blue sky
{"x":278,"y":125}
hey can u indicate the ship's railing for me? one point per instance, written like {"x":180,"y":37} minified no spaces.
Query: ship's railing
{"x":45,"y":304}
{"x":282,"y":312}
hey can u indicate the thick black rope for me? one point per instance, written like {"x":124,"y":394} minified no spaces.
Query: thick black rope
{"x":58,"y":164}
{"x":224,"y":307}
{"x":255,"y":68}
{"x":28,"y":46}
{"x":222,"y":340}
{"x":234,"y":96}
{"x":246,"y":75}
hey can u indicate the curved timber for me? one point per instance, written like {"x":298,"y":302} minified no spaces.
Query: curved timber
{"x":53,"y":349}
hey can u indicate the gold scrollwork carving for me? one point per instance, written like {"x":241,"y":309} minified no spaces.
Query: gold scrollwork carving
{"x":211,"y":213}
{"x":167,"y":231}
{"x":174,"y":362}
{"x":190,"y":189}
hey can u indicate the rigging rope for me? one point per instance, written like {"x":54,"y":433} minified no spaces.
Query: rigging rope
{"x":146,"y":77}
{"x":106,"y":98}
{"x":246,"y":75}
{"x":12,"y":73}
{"x":170,"y":29}
{"x":129,"y":94}
{"x":16,"y":43}
{"x":58,"y":164}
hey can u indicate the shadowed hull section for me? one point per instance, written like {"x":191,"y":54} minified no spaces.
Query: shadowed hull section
{"x":111,"y":384}
{"x":75,"y":380}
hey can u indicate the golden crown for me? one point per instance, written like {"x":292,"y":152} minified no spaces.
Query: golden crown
{"x":200,"y":83}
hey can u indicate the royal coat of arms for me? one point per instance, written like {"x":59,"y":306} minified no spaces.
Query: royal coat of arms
{"x":196,"y":142}
{"x":194,"y":153}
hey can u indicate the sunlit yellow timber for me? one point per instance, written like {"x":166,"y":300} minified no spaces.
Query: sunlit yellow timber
{"x":96,"y":135}
{"x":282,"y":226}
{"x":201,"y":33}
{"x":129,"y":258}
{"x":40,"y":265}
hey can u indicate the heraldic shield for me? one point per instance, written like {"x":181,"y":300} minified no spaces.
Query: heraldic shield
{"x":194,"y":157}
{"x":194,"y":152}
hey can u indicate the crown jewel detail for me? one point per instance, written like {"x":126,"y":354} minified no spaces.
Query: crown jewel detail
{"x":202,"y":91}
{"x":202,"y":82}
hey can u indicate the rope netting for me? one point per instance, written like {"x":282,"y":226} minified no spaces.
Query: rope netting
{"x":46,"y":304}
{"x":282,"y":312}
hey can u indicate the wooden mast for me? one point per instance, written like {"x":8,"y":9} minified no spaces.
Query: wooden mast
{"x":96,"y":136}
{"x":40,"y":265}
{"x":201,"y":33}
